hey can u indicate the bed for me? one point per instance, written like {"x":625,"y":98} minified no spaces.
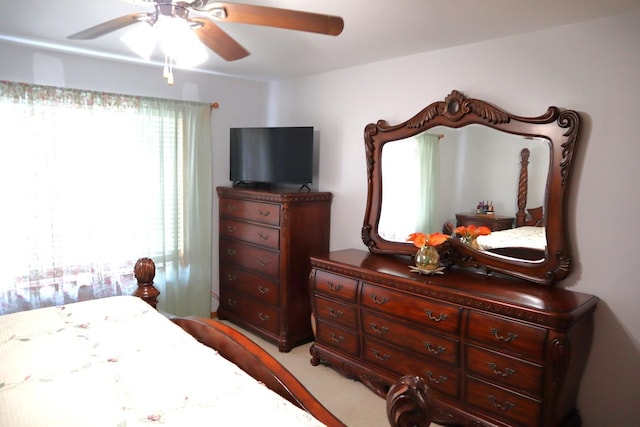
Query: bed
{"x":527,"y":240}
{"x":117,"y":362}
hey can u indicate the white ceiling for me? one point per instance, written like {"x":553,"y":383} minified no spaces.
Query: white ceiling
{"x":374,"y":30}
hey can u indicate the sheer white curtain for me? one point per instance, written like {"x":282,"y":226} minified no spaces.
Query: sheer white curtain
{"x":409,"y":184}
{"x":91,"y":182}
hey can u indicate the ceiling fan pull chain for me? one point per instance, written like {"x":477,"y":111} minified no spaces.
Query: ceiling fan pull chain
{"x":168,"y":69}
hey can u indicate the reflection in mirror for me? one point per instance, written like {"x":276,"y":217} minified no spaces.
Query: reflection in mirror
{"x":429,"y":178}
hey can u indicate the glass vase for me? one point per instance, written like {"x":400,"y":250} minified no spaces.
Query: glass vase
{"x":471,"y":241}
{"x":427,"y":258}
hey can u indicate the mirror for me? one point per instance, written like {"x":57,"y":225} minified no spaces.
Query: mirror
{"x":433,"y":170}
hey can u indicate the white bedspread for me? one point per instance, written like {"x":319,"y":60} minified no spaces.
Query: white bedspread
{"x":524,"y":237}
{"x":116,"y":362}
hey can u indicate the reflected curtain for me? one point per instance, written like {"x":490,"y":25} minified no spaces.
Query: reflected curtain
{"x":409,"y":182}
{"x":93,"y":181}
{"x":427,"y":186}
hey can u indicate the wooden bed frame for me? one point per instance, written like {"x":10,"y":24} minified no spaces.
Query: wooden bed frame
{"x":524,"y":216}
{"x":407,"y":402}
{"x":237,"y":348}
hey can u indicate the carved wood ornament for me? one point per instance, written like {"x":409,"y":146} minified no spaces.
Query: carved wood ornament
{"x":559,"y":128}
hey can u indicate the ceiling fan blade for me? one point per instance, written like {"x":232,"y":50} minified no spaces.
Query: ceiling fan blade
{"x":219,"y":41}
{"x":109,"y":26}
{"x":275,"y":17}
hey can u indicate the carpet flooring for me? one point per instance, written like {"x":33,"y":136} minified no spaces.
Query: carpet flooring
{"x":347,"y":399}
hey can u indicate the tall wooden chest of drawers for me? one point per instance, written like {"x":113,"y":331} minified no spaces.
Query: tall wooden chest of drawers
{"x":494,"y":351}
{"x":266,"y":239}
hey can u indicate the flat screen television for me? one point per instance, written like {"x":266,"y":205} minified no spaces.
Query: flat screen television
{"x":265,"y":156}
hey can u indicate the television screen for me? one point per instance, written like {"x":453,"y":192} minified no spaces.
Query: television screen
{"x":271,"y":155}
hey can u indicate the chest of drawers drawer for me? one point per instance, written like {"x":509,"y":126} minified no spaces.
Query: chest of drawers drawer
{"x":335,"y":312}
{"x":239,"y":306}
{"x":501,"y":403}
{"x":249,"y":283}
{"x":507,"y":335}
{"x":433,"y":314}
{"x":256,"y":259}
{"x":508,"y":371}
{"x":424,"y":343}
{"x":266,"y":213}
{"x":267,"y":237}
{"x":335,"y":286}
{"x":338,"y":338}
{"x":439,"y":377}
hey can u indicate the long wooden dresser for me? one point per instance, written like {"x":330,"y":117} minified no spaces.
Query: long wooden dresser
{"x":266,"y":239}
{"x":494,"y":351}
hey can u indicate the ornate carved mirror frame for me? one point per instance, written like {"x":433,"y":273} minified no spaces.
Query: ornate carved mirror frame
{"x":559,"y":128}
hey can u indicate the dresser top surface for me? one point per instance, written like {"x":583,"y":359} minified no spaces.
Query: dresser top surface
{"x":457,"y":284}
{"x":277,"y":196}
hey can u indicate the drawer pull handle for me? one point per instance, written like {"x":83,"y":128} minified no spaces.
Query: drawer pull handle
{"x":335,"y":313}
{"x":231,"y":229}
{"x":441,"y":379}
{"x":263,"y":236}
{"x":231,"y":208}
{"x":380,"y":356}
{"x":231,"y":252}
{"x":263,"y":262}
{"x":232,"y":302}
{"x":338,"y":339}
{"x":263,"y":316}
{"x":510,"y":336}
{"x":379,"y":301}
{"x":334,"y":286}
{"x":380,"y":331}
{"x":437,"y":350}
{"x":263,"y":213}
{"x":263,"y":290}
{"x":506,"y":373}
{"x":430,"y":316}
{"x":232,"y":277}
{"x":504,"y":406}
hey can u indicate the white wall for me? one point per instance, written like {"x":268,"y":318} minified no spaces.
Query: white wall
{"x":593,"y":68}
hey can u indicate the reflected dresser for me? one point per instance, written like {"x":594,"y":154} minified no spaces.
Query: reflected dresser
{"x":495,"y":351}
{"x":266,"y":239}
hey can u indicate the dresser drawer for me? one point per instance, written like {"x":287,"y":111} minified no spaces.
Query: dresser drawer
{"x":335,"y":312}
{"x":506,"y":335}
{"x":338,"y":338}
{"x":431,"y":345}
{"x":335,"y":286}
{"x":260,"y":235}
{"x":504,"y":370}
{"x":513,"y":407}
{"x":259,"y":260}
{"x":439,"y":377}
{"x":266,"y":213}
{"x":430,"y":313}
{"x":249,"y":283}
{"x":239,"y":307}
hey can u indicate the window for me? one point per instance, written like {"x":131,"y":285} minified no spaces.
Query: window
{"x":90,"y":183}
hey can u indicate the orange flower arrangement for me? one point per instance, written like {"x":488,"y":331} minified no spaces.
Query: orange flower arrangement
{"x":470,"y":233}
{"x":421,"y":239}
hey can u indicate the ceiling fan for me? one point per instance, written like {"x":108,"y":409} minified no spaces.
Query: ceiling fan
{"x":205,"y":12}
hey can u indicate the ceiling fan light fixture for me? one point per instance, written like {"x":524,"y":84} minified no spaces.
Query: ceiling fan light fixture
{"x":141,"y":39}
{"x":179,"y":43}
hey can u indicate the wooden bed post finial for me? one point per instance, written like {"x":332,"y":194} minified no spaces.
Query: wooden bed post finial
{"x":144,"y":272}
